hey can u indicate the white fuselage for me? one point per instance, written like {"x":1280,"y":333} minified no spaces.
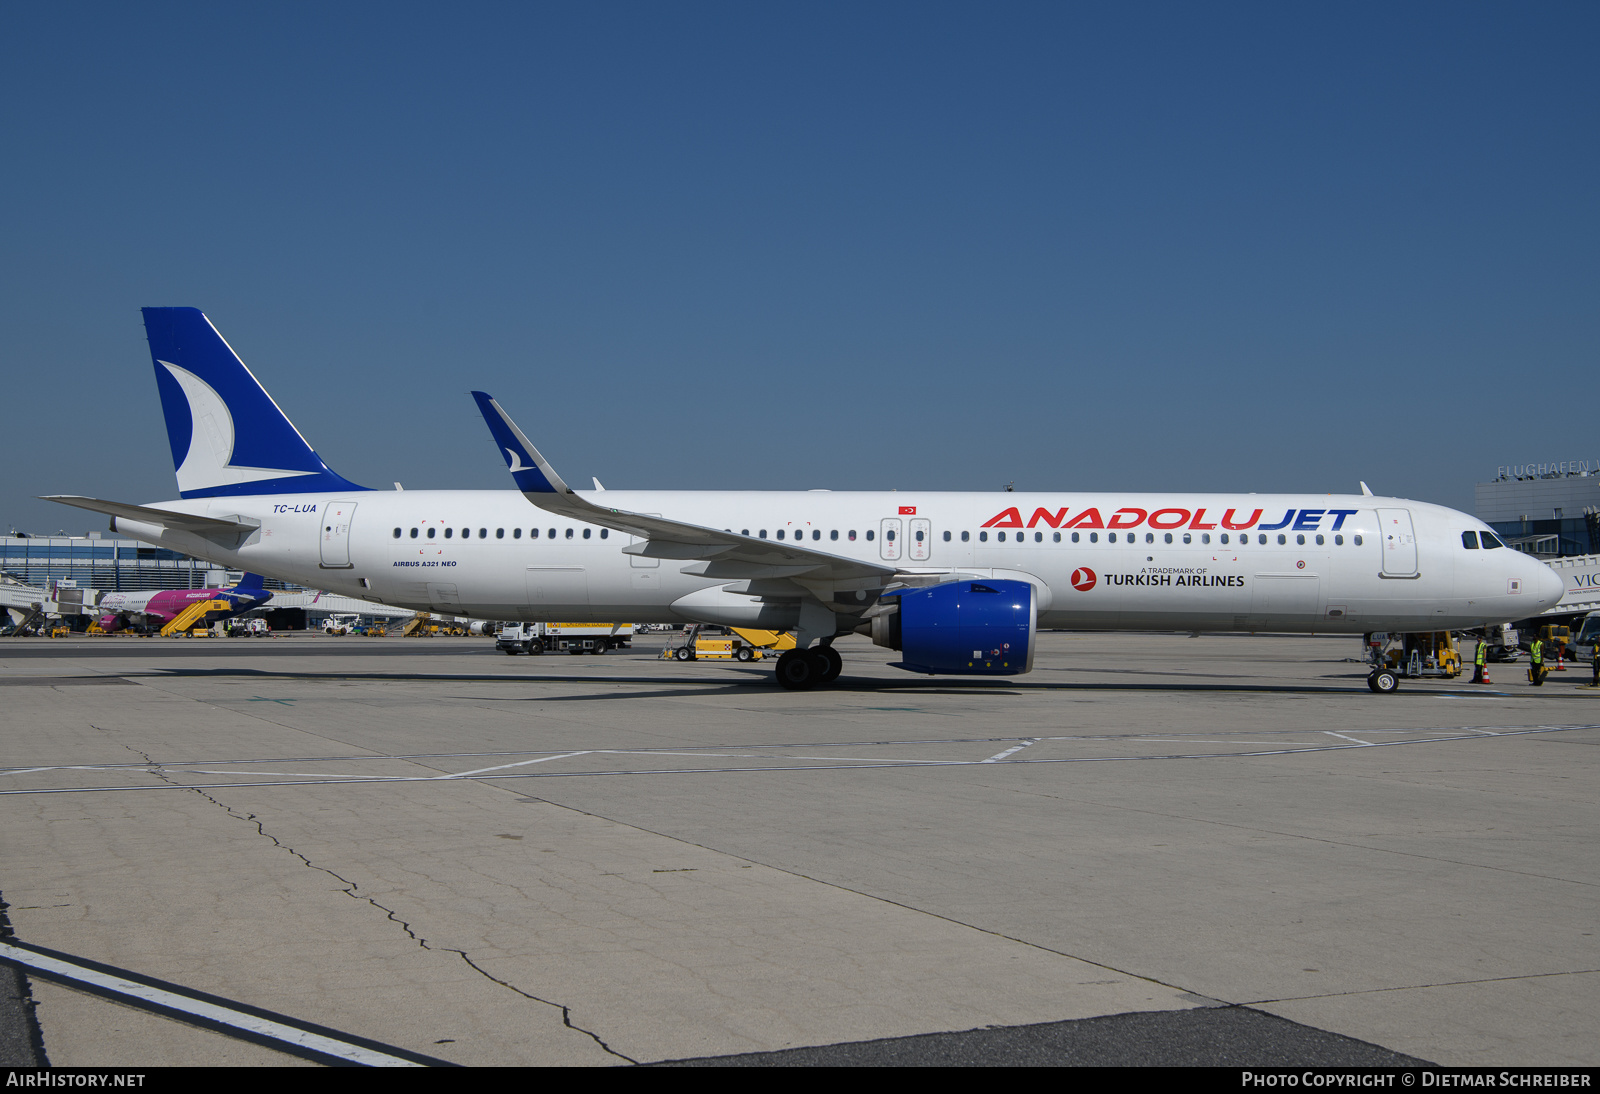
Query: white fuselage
{"x":1330,"y":563}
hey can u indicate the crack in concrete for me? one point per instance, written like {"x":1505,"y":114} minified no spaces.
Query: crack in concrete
{"x":349,"y":890}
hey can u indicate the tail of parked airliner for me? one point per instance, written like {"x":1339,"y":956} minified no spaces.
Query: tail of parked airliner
{"x":228,"y":437}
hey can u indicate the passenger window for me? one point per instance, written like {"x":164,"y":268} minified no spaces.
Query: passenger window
{"x":1300,"y":539}
{"x":1489,"y":541}
{"x":516,"y":533}
{"x":780,"y":533}
{"x":834,"y":535}
{"x":744,"y":531}
{"x":1150,"y":537}
{"x":1169,"y":537}
{"x":448,"y":532}
{"x":551,"y":534}
{"x":1074,"y":537}
{"x":431,"y":531}
{"x":919,"y":537}
{"x":869,"y":535}
{"x":1319,"y":539}
{"x":483,"y":533}
{"x":1205,"y":537}
{"x":1094,"y":537}
{"x":1111,"y":537}
{"x":1338,"y":541}
{"x":413,"y":533}
{"x":1224,"y":538}
{"x":533,"y":533}
{"x":586,"y":532}
{"x":816,"y":533}
{"x":605,"y":533}
{"x":965,"y":536}
{"x":1055,"y":537}
{"x":569,"y":533}
{"x":499,"y":533}
{"x":946,"y":536}
{"x":397,"y":533}
{"x":1357,"y":541}
{"x":1282,"y":539}
{"x":1187,"y":538}
{"x":983,"y":537}
{"x":1263,"y":540}
{"x":889,"y":534}
{"x":1001,"y":536}
{"x":1038,"y":537}
{"x":762,"y":533}
{"x":852,"y":535}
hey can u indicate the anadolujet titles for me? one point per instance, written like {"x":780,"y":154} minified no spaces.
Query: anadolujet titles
{"x":959,"y":583}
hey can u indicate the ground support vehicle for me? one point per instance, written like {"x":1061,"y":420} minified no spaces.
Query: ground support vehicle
{"x":699,"y":642}
{"x":1394,"y":657}
{"x":537,"y":638}
{"x":1585,"y":637}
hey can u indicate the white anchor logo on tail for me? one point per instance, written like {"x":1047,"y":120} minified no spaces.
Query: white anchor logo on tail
{"x":206,"y":464}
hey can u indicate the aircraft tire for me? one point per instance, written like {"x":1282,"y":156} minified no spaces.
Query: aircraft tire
{"x":1384,"y":682}
{"x":833,"y":664}
{"x":798,"y":670}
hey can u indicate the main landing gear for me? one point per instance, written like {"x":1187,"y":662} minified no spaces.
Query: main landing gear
{"x":802,"y":670}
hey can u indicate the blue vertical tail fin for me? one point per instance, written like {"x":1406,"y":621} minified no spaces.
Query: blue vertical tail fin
{"x":228,"y":437}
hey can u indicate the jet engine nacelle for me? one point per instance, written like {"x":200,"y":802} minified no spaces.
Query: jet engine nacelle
{"x":963,"y":628}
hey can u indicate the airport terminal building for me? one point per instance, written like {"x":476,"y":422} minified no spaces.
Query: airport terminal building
{"x":99,"y":561}
{"x":1551,"y":510}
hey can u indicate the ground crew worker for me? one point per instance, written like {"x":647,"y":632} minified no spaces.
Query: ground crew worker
{"x":1480,"y":671}
{"x":1536,"y":664}
{"x":1596,"y":681}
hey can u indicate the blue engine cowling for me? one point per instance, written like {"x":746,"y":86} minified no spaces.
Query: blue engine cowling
{"x":966,"y":628}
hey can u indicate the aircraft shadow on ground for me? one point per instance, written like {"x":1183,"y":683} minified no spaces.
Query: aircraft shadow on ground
{"x":755,"y":681}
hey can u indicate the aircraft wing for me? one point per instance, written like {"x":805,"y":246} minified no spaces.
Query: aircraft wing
{"x":720,"y":553}
{"x":188,"y":522}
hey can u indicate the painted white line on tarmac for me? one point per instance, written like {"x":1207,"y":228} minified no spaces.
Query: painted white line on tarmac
{"x":261,"y":1027}
{"x":998,"y":756}
{"x":1342,"y":737}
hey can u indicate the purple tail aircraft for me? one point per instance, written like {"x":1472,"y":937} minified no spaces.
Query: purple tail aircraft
{"x":157,"y":609}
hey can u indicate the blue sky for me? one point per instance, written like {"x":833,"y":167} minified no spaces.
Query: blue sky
{"x":1120,"y":246}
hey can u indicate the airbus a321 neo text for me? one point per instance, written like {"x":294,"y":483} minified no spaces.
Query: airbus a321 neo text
{"x":958,"y":583}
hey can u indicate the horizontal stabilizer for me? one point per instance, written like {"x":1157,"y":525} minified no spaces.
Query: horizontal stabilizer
{"x":187,"y":521}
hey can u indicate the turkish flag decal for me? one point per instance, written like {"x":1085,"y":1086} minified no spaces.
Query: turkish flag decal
{"x":908,"y":510}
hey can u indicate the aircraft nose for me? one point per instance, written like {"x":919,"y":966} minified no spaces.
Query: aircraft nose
{"x":1550,"y":587}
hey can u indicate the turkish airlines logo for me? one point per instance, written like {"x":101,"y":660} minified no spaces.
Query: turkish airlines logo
{"x":1083,"y":579}
{"x":908,"y":510}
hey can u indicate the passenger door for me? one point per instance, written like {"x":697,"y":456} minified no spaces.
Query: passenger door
{"x":1399,"y":542}
{"x":336,"y":517}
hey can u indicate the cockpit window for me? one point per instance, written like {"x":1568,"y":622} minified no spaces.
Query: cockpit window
{"x":1489,"y":542}
{"x":1469,"y":540}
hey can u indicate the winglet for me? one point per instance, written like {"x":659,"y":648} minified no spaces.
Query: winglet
{"x":529,"y":470}
{"x":1366,"y":490}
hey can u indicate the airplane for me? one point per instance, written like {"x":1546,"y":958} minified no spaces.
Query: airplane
{"x":958,"y":583}
{"x":162,"y":606}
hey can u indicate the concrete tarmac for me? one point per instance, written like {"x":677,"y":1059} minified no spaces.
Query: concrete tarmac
{"x":595,"y":860}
